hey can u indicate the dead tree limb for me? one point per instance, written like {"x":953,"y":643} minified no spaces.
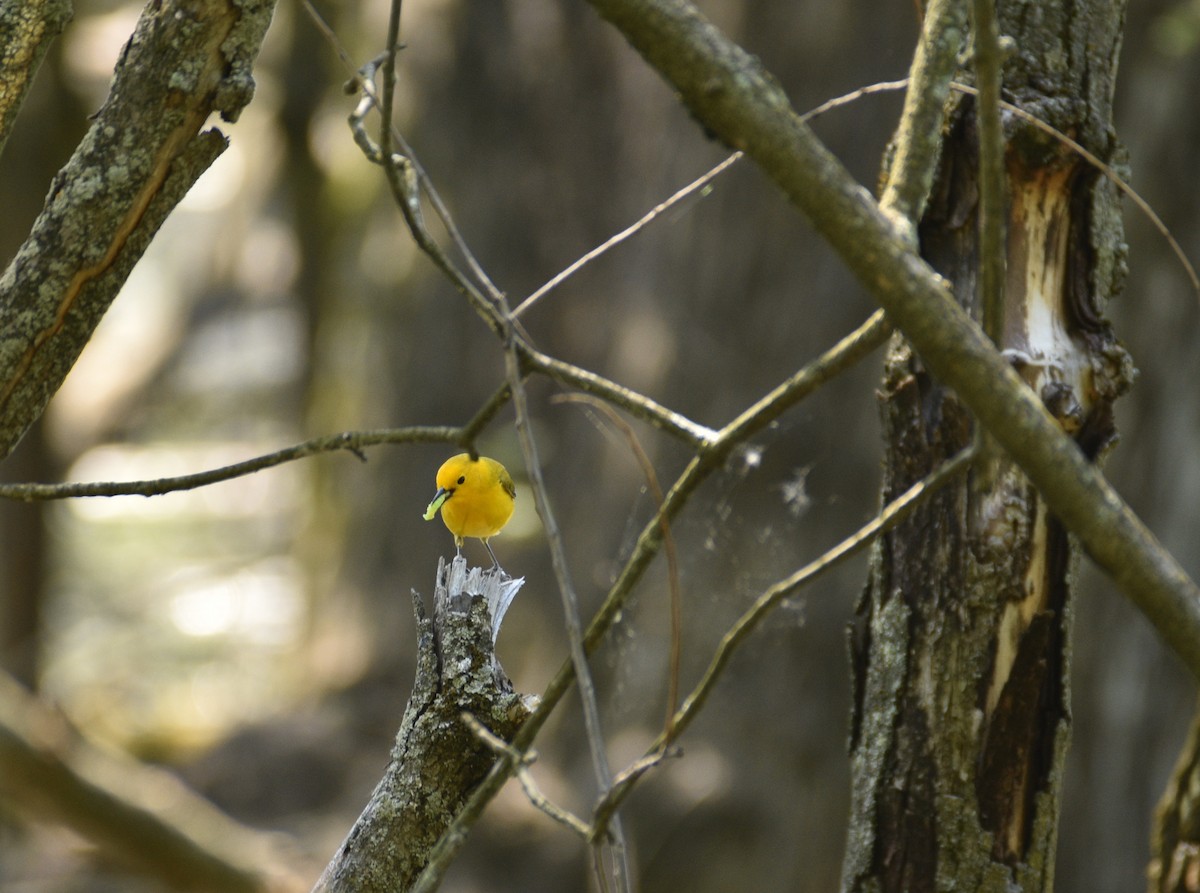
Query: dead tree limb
{"x":435,"y":749}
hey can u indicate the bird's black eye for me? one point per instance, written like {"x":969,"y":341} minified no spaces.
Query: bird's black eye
{"x":462,"y":479}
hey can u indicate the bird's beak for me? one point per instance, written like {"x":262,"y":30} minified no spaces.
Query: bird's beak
{"x":438,"y":498}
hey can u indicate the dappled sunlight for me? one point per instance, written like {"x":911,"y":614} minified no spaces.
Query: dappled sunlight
{"x":261,"y":605}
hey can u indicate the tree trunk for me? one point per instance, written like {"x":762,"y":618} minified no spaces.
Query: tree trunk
{"x":961,"y":644}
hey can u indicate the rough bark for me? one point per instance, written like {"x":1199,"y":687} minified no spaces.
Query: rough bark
{"x":27,"y":28}
{"x":961,"y":644}
{"x":1175,"y":844}
{"x":437,"y":759}
{"x":187,"y":60}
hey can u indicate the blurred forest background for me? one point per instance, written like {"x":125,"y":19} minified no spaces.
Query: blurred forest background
{"x":257,"y":636}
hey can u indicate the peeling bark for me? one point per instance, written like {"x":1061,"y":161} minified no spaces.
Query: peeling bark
{"x":962,"y":638}
{"x":437,"y":760}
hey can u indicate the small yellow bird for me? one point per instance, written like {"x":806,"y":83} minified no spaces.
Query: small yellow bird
{"x":476,"y":496}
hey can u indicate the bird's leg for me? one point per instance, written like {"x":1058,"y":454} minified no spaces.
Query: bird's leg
{"x":495,"y":562}
{"x":458,"y":544}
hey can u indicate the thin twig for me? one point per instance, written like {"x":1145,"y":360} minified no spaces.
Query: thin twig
{"x":522,"y":762}
{"x":892,"y":514}
{"x":353,"y":441}
{"x":707,"y":459}
{"x":571,"y":616}
{"x":673,"y":586}
{"x":701,"y":183}
{"x":624,"y":234}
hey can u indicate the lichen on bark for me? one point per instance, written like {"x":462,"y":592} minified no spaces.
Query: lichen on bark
{"x":147,"y":145}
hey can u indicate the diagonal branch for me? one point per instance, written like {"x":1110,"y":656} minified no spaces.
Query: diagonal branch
{"x":26,"y":29}
{"x":837,"y":359}
{"x":891,"y":515}
{"x":919,"y":134}
{"x":145,"y":149}
{"x":730,"y":93}
{"x":134,"y":813}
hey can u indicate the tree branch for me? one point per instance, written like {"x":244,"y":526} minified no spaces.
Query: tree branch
{"x":834,"y":361}
{"x":736,"y":99}
{"x":891,"y":515}
{"x":435,"y":750}
{"x":187,"y":60}
{"x":353,"y":441}
{"x":137,"y":815}
{"x":571,"y":616}
{"x":26,"y":29}
{"x":919,"y":134}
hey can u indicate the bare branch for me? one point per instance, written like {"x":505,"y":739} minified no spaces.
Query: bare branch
{"x":571,"y":615}
{"x":919,"y":134}
{"x":354,"y":441}
{"x":731,"y":94}
{"x":633,"y":229}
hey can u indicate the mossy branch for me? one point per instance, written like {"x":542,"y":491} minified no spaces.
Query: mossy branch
{"x":26,"y":29}
{"x":187,"y":60}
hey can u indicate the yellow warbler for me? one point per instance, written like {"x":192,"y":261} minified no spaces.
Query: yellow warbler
{"x":476,"y":496}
